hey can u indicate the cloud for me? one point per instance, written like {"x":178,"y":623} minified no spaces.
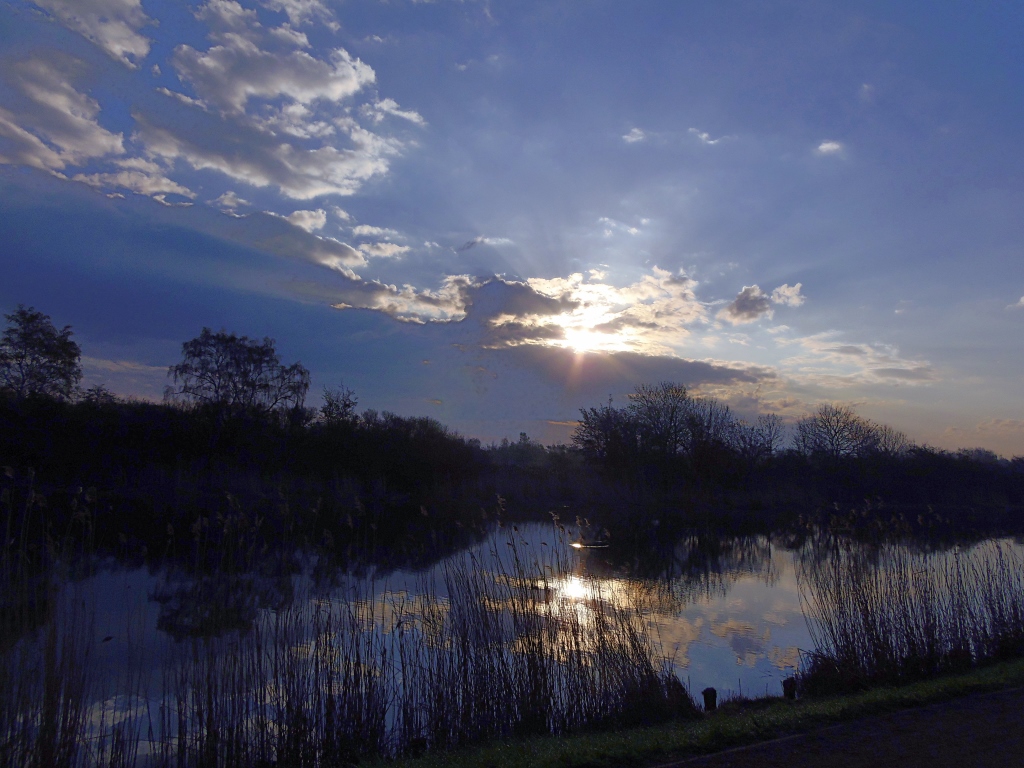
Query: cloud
{"x":54,"y":125}
{"x":126,"y":376}
{"x":788,"y":295}
{"x":651,"y":315}
{"x":595,"y":374}
{"x":113,"y":25}
{"x":264,"y":113}
{"x":309,"y":220}
{"x":705,"y":138}
{"x":381,"y":109}
{"x":230,"y":74}
{"x":256,"y":158}
{"x":154,"y":185}
{"x":1001,"y":426}
{"x":492,"y":241}
{"x":303,"y":11}
{"x":634,"y":135}
{"x":611,"y":226}
{"x":1018,"y":305}
{"x":272,"y":234}
{"x":750,"y":305}
{"x":365,"y":230}
{"x":828,"y":364}
{"x":829,"y":148}
{"x":290,"y":36}
{"x":230,"y":200}
{"x":383,"y":250}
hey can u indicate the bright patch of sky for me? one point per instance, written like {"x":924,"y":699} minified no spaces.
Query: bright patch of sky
{"x":499,"y":213}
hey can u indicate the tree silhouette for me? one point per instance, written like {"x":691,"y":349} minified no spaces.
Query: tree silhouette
{"x":36,"y":359}
{"x":236,"y":372}
{"x":836,"y":431}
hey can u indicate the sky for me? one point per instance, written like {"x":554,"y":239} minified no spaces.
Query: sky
{"x":496,"y":213}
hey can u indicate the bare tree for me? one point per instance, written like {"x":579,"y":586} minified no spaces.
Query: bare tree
{"x":36,"y":359}
{"x":339,"y":406}
{"x":760,"y":440}
{"x":236,"y":372}
{"x":607,"y":434}
{"x":837,"y":432}
{"x":891,"y":442}
{"x":663,"y":414}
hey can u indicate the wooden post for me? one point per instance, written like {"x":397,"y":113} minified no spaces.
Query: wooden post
{"x":789,"y":688}
{"x":710,"y":699}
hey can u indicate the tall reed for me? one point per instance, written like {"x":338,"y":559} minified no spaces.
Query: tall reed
{"x":891,"y":615}
{"x":330,"y":677}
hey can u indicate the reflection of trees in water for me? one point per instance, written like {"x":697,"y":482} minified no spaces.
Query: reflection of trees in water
{"x":213,"y":605}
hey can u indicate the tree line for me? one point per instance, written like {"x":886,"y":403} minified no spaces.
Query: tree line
{"x":232,"y":405}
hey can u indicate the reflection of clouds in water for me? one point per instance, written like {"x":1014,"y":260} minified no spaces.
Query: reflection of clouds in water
{"x":743,"y":639}
{"x":675,"y":635}
{"x":784,"y":658}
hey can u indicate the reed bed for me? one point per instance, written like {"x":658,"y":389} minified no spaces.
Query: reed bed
{"x":891,"y":616}
{"x":331,"y":677}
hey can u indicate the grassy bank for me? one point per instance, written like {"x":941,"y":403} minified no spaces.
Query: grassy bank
{"x":735,"y":724}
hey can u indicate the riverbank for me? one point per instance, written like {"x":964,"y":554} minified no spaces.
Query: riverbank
{"x":735,"y":724}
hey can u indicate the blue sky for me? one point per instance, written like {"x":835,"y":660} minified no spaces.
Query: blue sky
{"x":496,"y":213}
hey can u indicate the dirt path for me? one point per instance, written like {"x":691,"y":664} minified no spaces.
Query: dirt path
{"x":980,"y":730}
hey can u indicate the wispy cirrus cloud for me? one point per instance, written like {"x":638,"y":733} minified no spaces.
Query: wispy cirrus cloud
{"x":830,"y":363}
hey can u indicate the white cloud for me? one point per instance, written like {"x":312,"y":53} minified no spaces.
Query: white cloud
{"x":651,"y":316}
{"x":1018,"y":305}
{"x":788,"y":295}
{"x":228,"y":18}
{"x":380,"y":109}
{"x":231,"y":74}
{"x":634,"y":135}
{"x":383,"y":250}
{"x":299,"y":173}
{"x":230,"y":200}
{"x":290,"y":36}
{"x":365,"y":230}
{"x":341,"y":214}
{"x":309,"y":220}
{"x":141,"y":182}
{"x":829,"y":148}
{"x":113,"y":25}
{"x":303,"y":11}
{"x":55,"y":125}
{"x":705,"y":138}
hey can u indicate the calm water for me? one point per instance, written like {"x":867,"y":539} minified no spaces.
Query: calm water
{"x":730,"y":619}
{"x":726,"y":613}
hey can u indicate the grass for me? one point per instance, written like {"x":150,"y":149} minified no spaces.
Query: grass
{"x":735,"y":724}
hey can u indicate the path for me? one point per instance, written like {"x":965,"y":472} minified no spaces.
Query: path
{"x":981,"y":730}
